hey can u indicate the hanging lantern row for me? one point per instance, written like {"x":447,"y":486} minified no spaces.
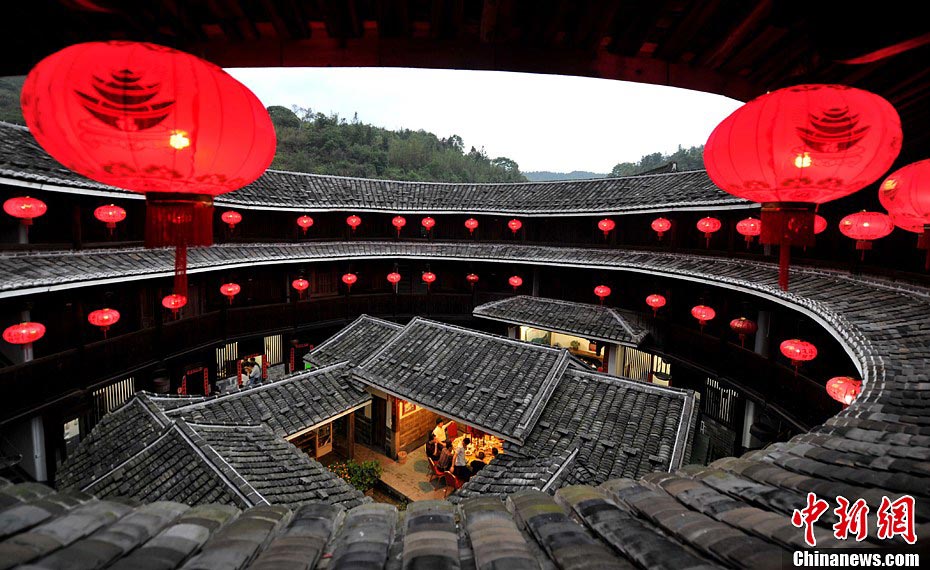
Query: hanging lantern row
{"x":798,"y":147}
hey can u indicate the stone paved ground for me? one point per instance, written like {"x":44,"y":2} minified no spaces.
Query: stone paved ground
{"x":410,"y":478}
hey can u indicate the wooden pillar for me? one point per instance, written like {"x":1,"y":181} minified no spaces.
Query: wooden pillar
{"x":351,"y":436}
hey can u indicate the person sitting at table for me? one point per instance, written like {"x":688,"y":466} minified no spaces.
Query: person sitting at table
{"x":445,"y":457}
{"x":460,"y":465}
{"x":440,"y":431}
{"x":433,"y":447}
{"x":478,"y":464}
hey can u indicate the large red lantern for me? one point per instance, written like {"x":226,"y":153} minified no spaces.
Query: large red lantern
{"x":349,"y":279}
{"x":399,"y":222}
{"x":660,"y":226}
{"x":514,"y":225}
{"x":472,"y":279}
{"x":230,"y":290}
{"x":429,"y":278}
{"x":428,"y":223}
{"x":655,"y":301}
{"x":103,"y":318}
{"x":110,"y":215}
{"x":301,"y":285}
{"x":602,"y":291}
{"x":606,"y":225}
{"x":515,"y":281}
{"x":743,"y":327}
{"x":798,"y":352}
{"x":703,"y":314}
{"x":708,"y":226}
{"x":25,"y":208}
{"x":866,"y":226}
{"x":844,"y":389}
{"x":906,"y":196}
{"x":393,"y":278}
{"x":800,"y":146}
{"x":820,"y":224}
{"x":305,"y":223}
{"x":24,"y":333}
{"x":231,"y":218}
{"x":471,"y":224}
{"x":153,"y":120}
{"x":174,"y":302}
{"x":749,"y":228}
{"x":353,"y":222}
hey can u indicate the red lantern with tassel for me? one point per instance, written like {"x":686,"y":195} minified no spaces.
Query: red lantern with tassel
{"x":153,"y":120}
{"x":800,"y":146}
{"x":24,"y":333}
{"x":749,"y":228}
{"x":230,"y":290}
{"x":866,"y":226}
{"x":353,"y":222}
{"x":399,"y":222}
{"x":514,"y":225}
{"x":602,"y":291}
{"x":471,"y":224}
{"x":349,"y":279}
{"x":25,"y":208}
{"x":428,"y":223}
{"x":429,"y":278}
{"x":708,"y":225}
{"x":305,"y":223}
{"x":660,"y":226}
{"x":703,"y":313}
{"x":743,"y":327}
{"x":844,"y":389}
{"x":174,"y":302}
{"x":820,"y":224}
{"x":103,"y":318}
{"x":231,"y":218}
{"x":393,"y":278}
{"x":110,"y":215}
{"x":515,"y":281}
{"x":906,"y":196}
{"x":606,"y":225}
{"x":655,"y":301}
{"x":300,"y":285}
{"x":472,"y":280}
{"x":798,"y":352}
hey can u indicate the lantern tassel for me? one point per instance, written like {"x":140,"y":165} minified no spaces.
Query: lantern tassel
{"x":784,"y":261}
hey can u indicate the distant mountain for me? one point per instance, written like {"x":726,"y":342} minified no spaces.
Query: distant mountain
{"x":546,"y":176}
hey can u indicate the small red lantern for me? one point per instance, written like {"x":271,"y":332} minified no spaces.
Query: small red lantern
{"x":515,"y":281}
{"x":305,"y":223}
{"x":798,"y":352}
{"x":349,"y":279}
{"x":708,"y":226}
{"x":606,"y":225}
{"x":514,"y":225}
{"x":472,"y":279}
{"x":844,"y":389}
{"x":353,"y":222}
{"x":820,"y":224}
{"x":906,"y":196}
{"x":703,"y":314}
{"x":399,"y":222}
{"x":300,"y":285}
{"x":660,"y":226}
{"x":655,"y":301}
{"x":393,"y":278}
{"x":153,"y":120}
{"x":800,"y":146}
{"x":230,"y":290}
{"x":110,"y":215}
{"x":25,"y":208}
{"x":472,"y":225}
{"x":103,"y":318}
{"x":749,"y":228}
{"x":743,"y":327}
{"x":428,"y":223}
{"x":232,"y":218}
{"x":174,"y":302}
{"x":866,"y":226}
{"x":602,"y":291}
{"x":24,"y":333}
{"x":428,"y":278}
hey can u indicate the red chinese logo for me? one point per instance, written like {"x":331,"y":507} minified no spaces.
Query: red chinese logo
{"x":895,"y":518}
{"x":809,"y":515}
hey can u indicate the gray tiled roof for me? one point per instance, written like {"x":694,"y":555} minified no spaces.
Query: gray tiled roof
{"x":510,"y":473}
{"x":171,"y":459}
{"x":22,"y":161}
{"x":354,"y":343}
{"x":620,"y":427}
{"x":297,"y":403}
{"x":498,"y":384}
{"x":593,"y":322}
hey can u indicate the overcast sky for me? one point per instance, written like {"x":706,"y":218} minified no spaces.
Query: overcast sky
{"x":543,"y":122}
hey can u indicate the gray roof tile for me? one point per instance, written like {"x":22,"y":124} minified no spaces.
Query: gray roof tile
{"x":354,"y":343}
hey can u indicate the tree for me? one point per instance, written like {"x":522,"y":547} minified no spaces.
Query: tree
{"x":283,"y":118}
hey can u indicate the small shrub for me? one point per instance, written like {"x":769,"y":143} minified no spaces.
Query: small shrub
{"x":362,"y":476}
